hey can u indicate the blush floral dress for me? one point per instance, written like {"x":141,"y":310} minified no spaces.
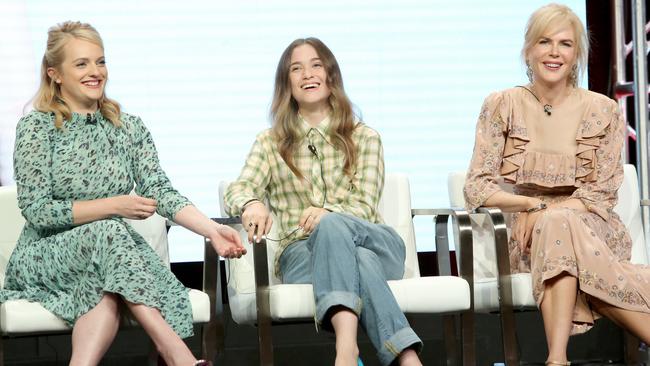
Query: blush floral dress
{"x":574,"y":153}
{"x":67,"y":268}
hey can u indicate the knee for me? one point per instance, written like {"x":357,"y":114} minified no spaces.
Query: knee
{"x":332,"y":221}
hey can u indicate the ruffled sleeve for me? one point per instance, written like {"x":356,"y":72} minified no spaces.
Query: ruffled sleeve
{"x":481,"y":181}
{"x":599,"y":170}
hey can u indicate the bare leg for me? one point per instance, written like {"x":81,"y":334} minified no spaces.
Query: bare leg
{"x":170,"y":346}
{"x":409,"y":357}
{"x":94,"y":331}
{"x":560,"y":294}
{"x":345,"y":323}
{"x":635,"y":322}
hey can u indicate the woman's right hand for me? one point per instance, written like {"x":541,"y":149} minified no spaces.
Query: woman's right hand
{"x":257,"y":221}
{"x":133,"y":207}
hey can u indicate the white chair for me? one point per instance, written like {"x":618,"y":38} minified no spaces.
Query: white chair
{"x":21,"y":318}
{"x":257,"y":296}
{"x":498,"y":291}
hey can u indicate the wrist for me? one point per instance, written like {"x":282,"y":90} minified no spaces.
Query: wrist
{"x":249,"y":203}
{"x":539,"y":207}
{"x":111,"y":204}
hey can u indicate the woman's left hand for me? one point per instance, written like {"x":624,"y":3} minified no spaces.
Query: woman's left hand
{"x":524,"y":230}
{"x":226,"y":241}
{"x":310,"y":218}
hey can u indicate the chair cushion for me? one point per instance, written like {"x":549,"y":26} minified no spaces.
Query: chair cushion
{"x":22,"y":316}
{"x":486,"y":294}
{"x":414,"y":295}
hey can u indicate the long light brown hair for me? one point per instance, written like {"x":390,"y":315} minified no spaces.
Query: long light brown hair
{"x":48,"y":98}
{"x":284,"y":108}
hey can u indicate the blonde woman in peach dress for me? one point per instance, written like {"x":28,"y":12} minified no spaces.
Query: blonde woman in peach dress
{"x":560,"y":147}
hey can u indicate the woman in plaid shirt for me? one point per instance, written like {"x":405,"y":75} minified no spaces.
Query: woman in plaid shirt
{"x":322,"y":172}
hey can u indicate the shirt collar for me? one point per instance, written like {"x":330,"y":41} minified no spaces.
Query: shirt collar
{"x":322,"y":128}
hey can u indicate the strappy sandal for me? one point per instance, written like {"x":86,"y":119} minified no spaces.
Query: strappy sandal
{"x":558,"y":363}
{"x":202,"y":363}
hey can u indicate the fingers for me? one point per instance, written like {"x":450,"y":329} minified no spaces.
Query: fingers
{"x":303,"y":218}
{"x":250,"y":229}
{"x":308,"y":227}
{"x":310,"y":218}
{"x":146,"y":201}
{"x":269,"y":223}
{"x":228,"y":243}
{"x":256,"y":221}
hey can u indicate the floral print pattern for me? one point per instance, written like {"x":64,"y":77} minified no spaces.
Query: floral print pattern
{"x":67,"y":268}
{"x":593,"y":246}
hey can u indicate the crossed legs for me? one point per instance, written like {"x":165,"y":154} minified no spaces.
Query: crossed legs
{"x":557,"y":311}
{"x":94,"y":332}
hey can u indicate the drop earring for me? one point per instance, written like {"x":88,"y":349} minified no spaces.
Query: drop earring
{"x":573,"y":76}
{"x":529,"y":72}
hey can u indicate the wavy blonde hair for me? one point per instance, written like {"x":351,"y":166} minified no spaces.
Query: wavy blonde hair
{"x":554,"y":16}
{"x":48,"y":98}
{"x":284,"y":108}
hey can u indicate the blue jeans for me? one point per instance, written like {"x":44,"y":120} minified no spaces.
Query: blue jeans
{"x":348,"y":261}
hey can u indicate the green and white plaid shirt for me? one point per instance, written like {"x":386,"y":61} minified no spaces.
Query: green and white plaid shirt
{"x":266,"y":176}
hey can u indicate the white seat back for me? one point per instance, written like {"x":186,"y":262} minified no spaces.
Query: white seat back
{"x":395,"y":208}
{"x":11,"y":224}
{"x":629,"y":209}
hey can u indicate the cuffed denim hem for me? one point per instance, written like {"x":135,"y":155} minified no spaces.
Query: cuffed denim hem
{"x":398,"y":342}
{"x":337,"y":298}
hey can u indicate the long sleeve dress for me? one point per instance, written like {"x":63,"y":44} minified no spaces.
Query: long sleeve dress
{"x":573,"y":153}
{"x":66,"y":267}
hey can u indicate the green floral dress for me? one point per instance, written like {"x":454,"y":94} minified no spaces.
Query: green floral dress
{"x":68,"y":268}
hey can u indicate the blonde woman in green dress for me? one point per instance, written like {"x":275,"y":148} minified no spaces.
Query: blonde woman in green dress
{"x":77,"y":157}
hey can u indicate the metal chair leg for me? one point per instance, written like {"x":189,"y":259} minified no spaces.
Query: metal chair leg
{"x":212,"y":337}
{"x":631,"y":349}
{"x":263,"y":301}
{"x":2,"y":352}
{"x":451,"y":351}
{"x":152,"y":356}
{"x":508,"y":331}
{"x":468,"y":347}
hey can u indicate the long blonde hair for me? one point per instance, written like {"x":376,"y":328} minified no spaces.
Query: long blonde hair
{"x":284,"y":108}
{"x":553,"y":16}
{"x":48,"y":98}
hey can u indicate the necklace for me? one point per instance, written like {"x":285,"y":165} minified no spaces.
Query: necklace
{"x":547,"y":107}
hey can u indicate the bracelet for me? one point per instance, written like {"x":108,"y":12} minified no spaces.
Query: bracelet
{"x":248,"y":203}
{"x":539,"y":207}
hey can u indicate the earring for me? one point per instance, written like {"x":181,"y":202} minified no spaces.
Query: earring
{"x":529,"y":72}
{"x":573,"y":76}
{"x":58,"y":81}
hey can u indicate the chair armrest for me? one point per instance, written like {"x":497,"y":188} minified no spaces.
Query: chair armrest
{"x":462,"y":231}
{"x":262,"y":292}
{"x":261,"y":271}
{"x":500,"y":232}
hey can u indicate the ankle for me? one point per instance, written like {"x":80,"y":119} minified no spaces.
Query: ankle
{"x":346,"y":354}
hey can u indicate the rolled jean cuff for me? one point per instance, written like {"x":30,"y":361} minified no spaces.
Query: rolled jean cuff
{"x":398,"y":342}
{"x":337,"y":298}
